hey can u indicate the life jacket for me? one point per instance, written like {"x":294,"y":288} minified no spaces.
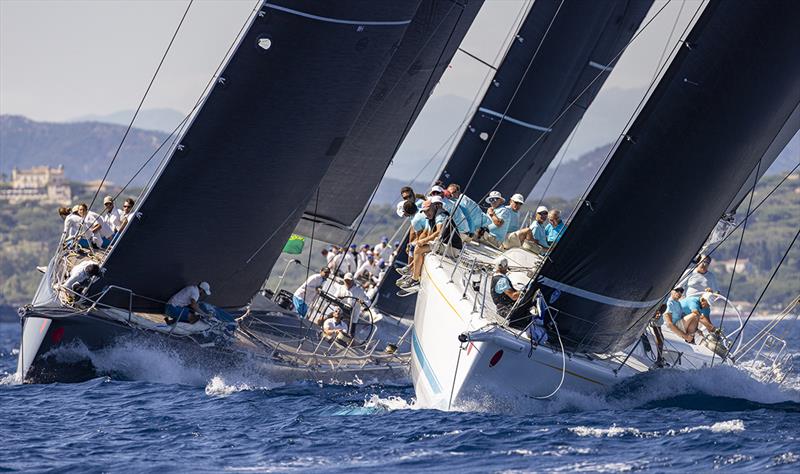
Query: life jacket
{"x":501,"y":301}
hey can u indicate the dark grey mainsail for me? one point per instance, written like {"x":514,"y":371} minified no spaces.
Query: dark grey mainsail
{"x":563,"y":54}
{"x":560,"y":49}
{"x":731,"y":89}
{"x":423,"y":55}
{"x":283,"y":108}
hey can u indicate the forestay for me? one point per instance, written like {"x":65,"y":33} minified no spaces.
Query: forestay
{"x":563,"y":53}
{"x":238,"y":182}
{"x":729,"y":92}
{"x":422,"y":56}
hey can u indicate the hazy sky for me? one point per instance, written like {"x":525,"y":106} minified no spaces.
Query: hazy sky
{"x":64,"y":59}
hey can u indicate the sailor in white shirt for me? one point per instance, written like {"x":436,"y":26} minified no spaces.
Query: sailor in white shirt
{"x":349,"y":262}
{"x":308,"y":291}
{"x":384,"y":250}
{"x":362,"y":255}
{"x":80,"y":275}
{"x":368,"y":271}
{"x":98,"y":232}
{"x":72,"y":223}
{"x":334,"y":324}
{"x":183,"y":306}
{"x":352,"y":295}
{"x":700,"y":279}
{"x":111,"y":214}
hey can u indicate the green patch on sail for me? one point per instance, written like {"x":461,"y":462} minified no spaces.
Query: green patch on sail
{"x":294,"y":245}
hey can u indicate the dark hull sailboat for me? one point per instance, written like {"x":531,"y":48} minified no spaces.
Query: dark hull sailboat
{"x":236,"y":183}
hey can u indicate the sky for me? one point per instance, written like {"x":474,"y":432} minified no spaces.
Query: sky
{"x":65,"y":59}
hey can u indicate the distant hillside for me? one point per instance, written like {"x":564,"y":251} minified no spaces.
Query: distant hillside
{"x":84,"y":148}
{"x":163,"y":120}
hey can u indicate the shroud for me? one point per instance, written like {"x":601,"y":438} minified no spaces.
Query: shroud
{"x":226,"y":201}
{"x":731,"y":89}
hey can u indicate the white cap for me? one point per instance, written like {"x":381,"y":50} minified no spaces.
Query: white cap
{"x":541,"y":209}
{"x":108,"y":199}
{"x":437,"y":189}
{"x":205,"y":287}
{"x":435,"y":200}
{"x":518,"y":198}
{"x":494,"y":195}
{"x":501,"y":261}
{"x":399,"y":210}
{"x":348,"y":276}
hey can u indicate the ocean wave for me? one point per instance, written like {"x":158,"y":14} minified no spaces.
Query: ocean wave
{"x":614,"y":431}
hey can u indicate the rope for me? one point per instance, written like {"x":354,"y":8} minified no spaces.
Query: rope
{"x":563,"y":359}
{"x":311,"y":244}
{"x":139,"y":107}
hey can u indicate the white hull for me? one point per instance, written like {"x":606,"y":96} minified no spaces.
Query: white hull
{"x":497,"y":364}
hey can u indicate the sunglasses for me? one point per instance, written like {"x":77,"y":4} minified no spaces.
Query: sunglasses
{"x":542,"y":213}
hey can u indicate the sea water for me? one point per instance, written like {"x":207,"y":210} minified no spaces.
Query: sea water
{"x":156,"y":414}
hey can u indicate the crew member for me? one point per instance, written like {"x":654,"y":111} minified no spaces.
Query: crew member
{"x":308,"y":291}
{"x":503,"y":293}
{"x":183,"y":306}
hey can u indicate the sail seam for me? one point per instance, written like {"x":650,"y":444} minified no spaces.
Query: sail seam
{"x":597,"y":297}
{"x":513,"y":120}
{"x":337,"y":20}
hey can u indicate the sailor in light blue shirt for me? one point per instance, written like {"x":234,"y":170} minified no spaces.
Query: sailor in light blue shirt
{"x":472,"y":211}
{"x":538,"y":229}
{"x":499,"y":216}
{"x":554,"y":227}
{"x":458,"y":215}
{"x":682,"y":324}
{"x":515,"y":204}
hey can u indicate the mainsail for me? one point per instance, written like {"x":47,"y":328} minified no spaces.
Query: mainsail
{"x":422,"y":56}
{"x":239,"y":180}
{"x":562,"y":56}
{"x":731,"y":89}
{"x":562,"y":49}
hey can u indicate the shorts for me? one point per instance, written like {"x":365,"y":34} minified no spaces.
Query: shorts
{"x":299,"y":306}
{"x":179,"y":313}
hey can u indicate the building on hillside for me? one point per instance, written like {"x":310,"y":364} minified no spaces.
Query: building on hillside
{"x":743,"y":265}
{"x":40,"y":183}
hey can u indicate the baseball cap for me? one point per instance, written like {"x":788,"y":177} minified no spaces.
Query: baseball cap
{"x":518,"y":198}
{"x":435,"y":199}
{"x":348,"y":276}
{"x":108,"y":199}
{"x":501,"y":261}
{"x":541,"y":209}
{"x":437,"y":189}
{"x":384,"y":239}
{"x":205,"y":287}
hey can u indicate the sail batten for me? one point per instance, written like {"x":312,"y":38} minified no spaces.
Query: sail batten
{"x":234,"y":188}
{"x":722,"y":105}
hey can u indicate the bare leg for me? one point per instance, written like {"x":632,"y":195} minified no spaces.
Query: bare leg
{"x":707,"y":323}
{"x":419,"y":259}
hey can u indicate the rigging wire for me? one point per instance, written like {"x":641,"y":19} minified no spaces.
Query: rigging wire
{"x":139,"y":107}
{"x":560,"y":161}
{"x":176,"y":131}
{"x":766,"y":287}
{"x":738,"y":251}
{"x":669,"y":39}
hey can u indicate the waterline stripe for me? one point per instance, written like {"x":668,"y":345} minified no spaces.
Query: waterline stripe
{"x":596,"y":296}
{"x":513,"y":120}
{"x":424,"y":365}
{"x":336,"y":20}
{"x":600,"y":66}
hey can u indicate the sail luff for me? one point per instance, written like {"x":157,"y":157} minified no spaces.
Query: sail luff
{"x":727,"y":95}
{"x":235,"y":186}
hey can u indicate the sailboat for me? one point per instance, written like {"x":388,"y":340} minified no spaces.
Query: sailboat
{"x":725,"y":105}
{"x":562,"y":52}
{"x":308,"y":88}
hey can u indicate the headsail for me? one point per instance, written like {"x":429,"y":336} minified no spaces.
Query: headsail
{"x":731,"y":89}
{"x":563,"y":53}
{"x":235,"y":186}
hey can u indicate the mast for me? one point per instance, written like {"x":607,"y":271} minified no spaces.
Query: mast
{"x":563,"y":53}
{"x":244,"y":171}
{"x":732,"y":88}
{"x":423,"y":55}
